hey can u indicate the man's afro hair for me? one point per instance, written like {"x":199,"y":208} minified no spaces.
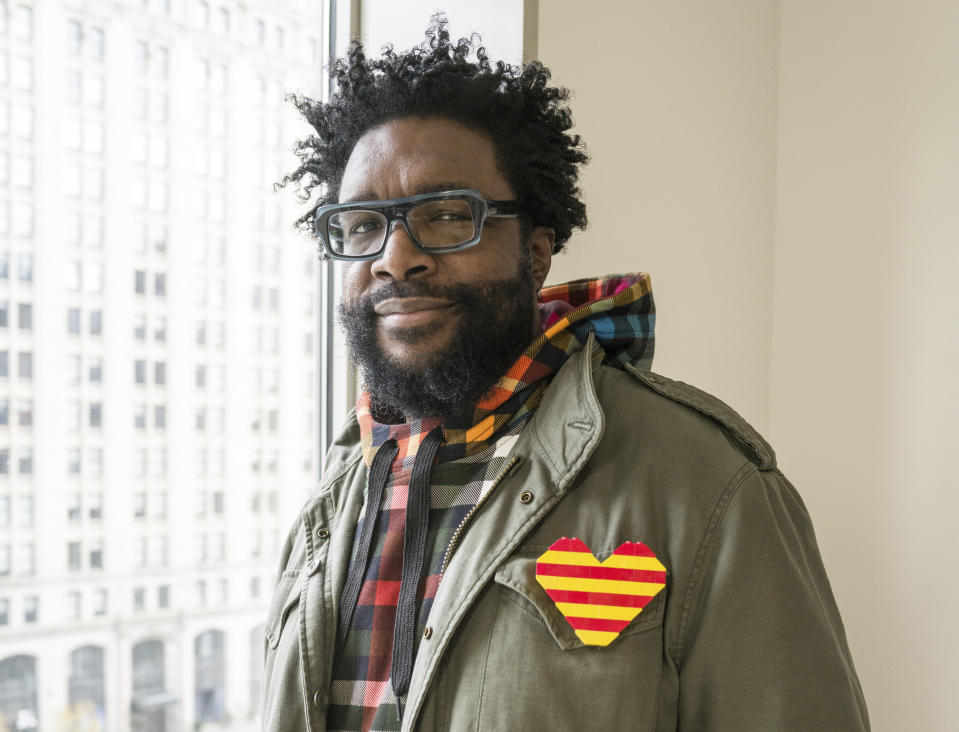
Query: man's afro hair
{"x":527,"y":120}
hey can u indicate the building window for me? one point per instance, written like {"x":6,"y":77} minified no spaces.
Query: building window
{"x":96,"y":554}
{"x":139,"y":598}
{"x":73,"y":320}
{"x":139,"y":416}
{"x":26,"y":560}
{"x":163,"y":596}
{"x":96,"y":322}
{"x":159,"y":373}
{"x":4,"y":560}
{"x":25,"y":510}
{"x":139,"y":372}
{"x":73,"y":502}
{"x":4,"y":611}
{"x":96,"y":414}
{"x":4,"y":412}
{"x":4,"y":511}
{"x":4,"y":314}
{"x":73,"y":605}
{"x":31,"y":609}
{"x":73,"y":555}
{"x":25,"y":267}
{"x":25,"y":316}
{"x":159,"y":417}
{"x":25,"y":461}
{"x":95,"y":506}
{"x":25,"y":364}
{"x":25,"y":412}
{"x":99,"y":602}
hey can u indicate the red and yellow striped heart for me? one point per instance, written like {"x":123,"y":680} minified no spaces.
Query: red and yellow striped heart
{"x":599,"y":599}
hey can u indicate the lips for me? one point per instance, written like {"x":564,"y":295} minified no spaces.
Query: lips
{"x":405,"y":311}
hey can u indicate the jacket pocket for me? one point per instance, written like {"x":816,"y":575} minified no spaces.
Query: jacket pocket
{"x":285,"y":597}
{"x":518,"y":574}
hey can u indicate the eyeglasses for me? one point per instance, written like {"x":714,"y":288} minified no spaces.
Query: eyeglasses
{"x":435,"y":222}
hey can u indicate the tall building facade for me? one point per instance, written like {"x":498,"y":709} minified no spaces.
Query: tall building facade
{"x":159,"y":405}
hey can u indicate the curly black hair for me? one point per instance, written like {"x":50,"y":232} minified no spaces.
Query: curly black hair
{"x":527,"y":120}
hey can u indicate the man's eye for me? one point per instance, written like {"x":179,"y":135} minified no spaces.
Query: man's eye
{"x":365,"y":226}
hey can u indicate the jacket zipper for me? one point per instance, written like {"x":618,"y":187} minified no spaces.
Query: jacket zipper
{"x":510,"y":466}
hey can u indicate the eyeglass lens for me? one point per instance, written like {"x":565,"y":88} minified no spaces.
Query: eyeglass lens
{"x":433,"y":224}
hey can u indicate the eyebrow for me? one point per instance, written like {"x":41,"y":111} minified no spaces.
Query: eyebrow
{"x":431,"y":188}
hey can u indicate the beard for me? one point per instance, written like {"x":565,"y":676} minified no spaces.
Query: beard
{"x":495,"y":325}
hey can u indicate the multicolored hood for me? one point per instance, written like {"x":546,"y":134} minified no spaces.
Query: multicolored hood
{"x":618,"y":310}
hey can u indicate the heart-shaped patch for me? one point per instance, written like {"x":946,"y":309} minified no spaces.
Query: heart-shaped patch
{"x":599,"y":599}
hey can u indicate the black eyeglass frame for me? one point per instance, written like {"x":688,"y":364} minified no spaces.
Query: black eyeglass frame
{"x":396,"y":209}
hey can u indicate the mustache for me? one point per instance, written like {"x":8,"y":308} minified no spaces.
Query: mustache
{"x":458,"y":292}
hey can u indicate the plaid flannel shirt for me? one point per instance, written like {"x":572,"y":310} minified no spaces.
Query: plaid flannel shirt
{"x":619,"y":310}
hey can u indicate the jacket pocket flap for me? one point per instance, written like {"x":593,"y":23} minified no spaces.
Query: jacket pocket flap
{"x":518,"y":574}
{"x":285,"y":597}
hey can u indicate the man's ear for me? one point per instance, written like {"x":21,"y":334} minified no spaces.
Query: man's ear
{"x":542,"y":239}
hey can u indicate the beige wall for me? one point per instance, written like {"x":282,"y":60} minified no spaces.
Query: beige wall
{"x":677,"y":105}
{"x":789,"y":174}
{"x":865,"y":399}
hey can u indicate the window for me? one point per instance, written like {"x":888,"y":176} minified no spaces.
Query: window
{"x":140,"y":326}
{"x":159,"y":551}
{"x":159,"y":417}
{"x":4,"y":411}
{"x":96,"y":415}
{"x":4,"y":314}
{"x":25,"y":510}
{"x":73,"y":464}
{"x":25,"y":267}
{"x":159,"y":284}
{"x":4,"y":511}
{"x":199,"y":593}
{"x":25,"y":316}
{"x":4,"y":611}
{"x":31,"y":608}
{"x":159,"y":328}
{"x":96,"y":322}
{"x":96,"y":370}
{"x":25,"y":412}
{"x":100,"y":602}
{"x":73,"y":503}
{"x":72,"y":370}
{"x":163,"y":596}
{"x":159,"y":373}
{"x":139,"y":505}
{"x":96,"y":554}
{"x":73,"y":321}
{"x":139,"y":416}
{"x":95,"y":506}
{"x":25,"y":364}
{"x":139,"y":371}
{"x":139,"y":598}
{"x":140,"y":282}
{"x":73,"y":605}
{"x":73,"y":555}
{"x":26,"y":562}
{"x":4,"y":560}
{"x":94,"y":467}
{"x":140,"y":551}
{"x":4,"y":365}
{"x":25,"y":461}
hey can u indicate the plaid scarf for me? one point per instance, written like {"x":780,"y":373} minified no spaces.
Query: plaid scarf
{"x":619,"y":311}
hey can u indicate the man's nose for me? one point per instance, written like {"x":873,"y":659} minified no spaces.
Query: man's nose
{"x":402,"y":259}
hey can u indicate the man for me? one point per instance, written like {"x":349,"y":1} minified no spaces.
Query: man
{"x":521,"y":527}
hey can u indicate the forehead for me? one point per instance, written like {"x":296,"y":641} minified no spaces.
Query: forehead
{"x":415,"y":155}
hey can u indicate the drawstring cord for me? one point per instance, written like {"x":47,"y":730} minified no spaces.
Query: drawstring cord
{"x":378,"y":475}
{"x":414,"y":554}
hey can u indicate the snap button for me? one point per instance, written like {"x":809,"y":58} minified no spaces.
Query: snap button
{"x":316,"y":566}
{"x":427,"y":632}
{"x":318,"y":698}
{"x":322,"y":533}
{"x":525,"y":497}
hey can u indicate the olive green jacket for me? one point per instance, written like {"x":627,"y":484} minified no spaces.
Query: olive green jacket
{"x":745,"y":636}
